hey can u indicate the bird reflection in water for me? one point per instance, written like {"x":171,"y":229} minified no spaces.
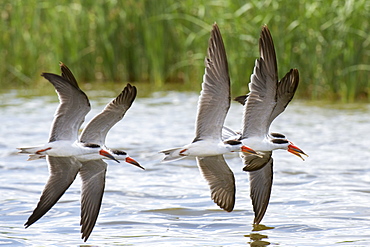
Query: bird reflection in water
{"x":256,"y":239}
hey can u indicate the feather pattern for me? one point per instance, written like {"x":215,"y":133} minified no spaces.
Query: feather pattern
{"x":73,"y":107}
{"x":214,"y":100}
{"x":262,"y":99}
{"x":93,"y":182}
{"x":260,"y":187}
{"x":220,"y":179}
{"x":97,"y":129}
{"x":63,"y":171}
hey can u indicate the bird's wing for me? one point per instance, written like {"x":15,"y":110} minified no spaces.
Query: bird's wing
{"x":261,"y":99}
{"x":214,"y":100}
{"x":97,"y":129}
{"x":73,"y":107}
{"x":285,"y":92}
{"x":67,"y":74}
{"x":63,"y":171}
{"x":229,"y":134}
{"x":93,"y":181}
{"x":241,"y":99}
{"x":220,"y":179}
{"x":260,"y":176}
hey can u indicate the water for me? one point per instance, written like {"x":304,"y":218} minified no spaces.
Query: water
{"x":323,"y":201}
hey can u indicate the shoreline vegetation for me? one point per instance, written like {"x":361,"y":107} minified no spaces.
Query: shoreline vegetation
{"x":164,"y":42}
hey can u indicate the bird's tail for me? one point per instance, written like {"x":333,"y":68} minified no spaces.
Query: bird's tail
{"x":172,"y":154}
{"x":29,"y":150}
{"x":33,"y":152}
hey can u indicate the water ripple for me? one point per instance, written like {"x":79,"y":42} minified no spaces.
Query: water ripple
{"x":322,"y":201}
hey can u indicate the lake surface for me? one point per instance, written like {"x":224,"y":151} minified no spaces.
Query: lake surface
{"x":322,"y":201}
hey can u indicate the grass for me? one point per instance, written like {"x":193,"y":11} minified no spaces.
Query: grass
{"x":161,"y":42}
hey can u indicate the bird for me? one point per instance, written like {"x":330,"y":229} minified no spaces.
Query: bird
{"x":267,"y":99}
{"x":67,"y":155}
{"x":207,"y":146}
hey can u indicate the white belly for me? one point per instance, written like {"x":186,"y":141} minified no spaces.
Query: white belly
{"x":68,"y":149}
{"x":257,"y":144}
{"x":207,"y":148}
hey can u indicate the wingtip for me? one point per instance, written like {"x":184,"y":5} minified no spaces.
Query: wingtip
{"x":257,"y":220}
{"x":47,"y":76}
{"x":215,"y":35}
{"x":130,"y":88}
{"x":29,"y":222}
{"x":295,"y":73}
{"x":293,"y":78}
{"x":266,"y":37}
{"x":241,"y":99}
{"x":224,"y":200}
{"x":84,"y":238}
{"x":228,"y":207}
{"x":86,"y":231}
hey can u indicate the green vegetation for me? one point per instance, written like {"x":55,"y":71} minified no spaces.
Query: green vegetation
{"x":163,"y":41}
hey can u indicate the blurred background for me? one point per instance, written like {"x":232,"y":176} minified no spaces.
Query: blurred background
{"x":164,"y":42}
{"x":160,"y":46}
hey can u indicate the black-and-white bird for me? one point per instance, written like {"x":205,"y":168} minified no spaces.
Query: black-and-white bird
{"x":268,"y":97}
{"x":208,"y":146}
{"x":68,"y":155}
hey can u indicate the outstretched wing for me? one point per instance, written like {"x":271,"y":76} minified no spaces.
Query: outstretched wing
{"x":262,"y":99}
{"x":93,"y":182}
{"x":260,"y":180}
{"x":214,"y":100}
{"x":73,"y":107}
{"x":220,"y":179}
{"x":63,"y":171}
{"x":268,"y":98}
{"x":285,"y":92}
{"x":97,"y":129}
{"x":67,"y":74}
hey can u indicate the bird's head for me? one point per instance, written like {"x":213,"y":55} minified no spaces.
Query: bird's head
{"x":237,"y":146}
{"x":118,"y":155}
{"x":280,"y":142}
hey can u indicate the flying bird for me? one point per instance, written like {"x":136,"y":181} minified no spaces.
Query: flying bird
{"x":208,"y":147}
{"x":268,"y":97}
{"x":67,"y":154}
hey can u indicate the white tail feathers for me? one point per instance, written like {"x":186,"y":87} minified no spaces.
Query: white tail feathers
{"x":32,"y":152}
{"x":172,"y":154}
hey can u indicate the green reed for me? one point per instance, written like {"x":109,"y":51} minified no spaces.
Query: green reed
{"x":165,"y":41}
